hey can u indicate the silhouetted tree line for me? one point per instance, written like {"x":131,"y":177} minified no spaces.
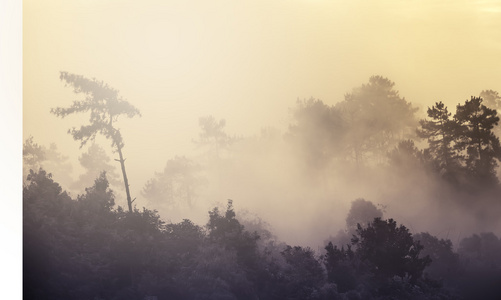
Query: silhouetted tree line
{"x":84,"y":248}
{"x":374,"y":126}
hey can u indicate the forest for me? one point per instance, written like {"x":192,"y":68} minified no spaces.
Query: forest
{"x":384,"y":200}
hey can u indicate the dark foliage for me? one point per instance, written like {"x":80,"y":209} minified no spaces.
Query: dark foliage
{"x":440,"y":131}
{"x":477,"y":143}
{"x":481,"y":266}
{"x":342,"y":267}
{"x":463,"y":149}
{"x":361,"y":212}
{"x":178,"y":184}
{"x":87,"y":249}
{"x":445,"y":261}
{"x":390,"y":250}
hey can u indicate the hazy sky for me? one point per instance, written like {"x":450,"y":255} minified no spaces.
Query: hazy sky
{"x":245,"y":61}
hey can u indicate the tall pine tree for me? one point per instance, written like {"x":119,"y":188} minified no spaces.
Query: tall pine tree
{"x":440,"y":131}
{"x":477,"y":143}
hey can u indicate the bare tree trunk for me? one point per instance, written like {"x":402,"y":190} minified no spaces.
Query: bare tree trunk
{"x":126,"y":181}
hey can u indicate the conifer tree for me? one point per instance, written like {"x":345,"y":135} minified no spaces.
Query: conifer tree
{"x":440,"y":130}
{"x":476,"y":141}
{"x":105,"y":106}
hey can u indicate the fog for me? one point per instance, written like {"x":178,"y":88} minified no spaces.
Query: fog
{"x":249,"y":64}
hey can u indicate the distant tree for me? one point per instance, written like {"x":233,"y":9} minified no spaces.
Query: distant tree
{"x":179,"y":182}
{"x":215,"y":142}
{"x":317,"y":130}
{"x":376,"y":118}
{"x":477,"y":143}
{"x":441,"y":133}
{"x":212,"y":135}
{"x":480,"y":256}
{"x":33,"y":154}
{"x":390,"y":250}
{"x":105,"y":106}
{"x":369,"y":122}
{"x":481,"y":250}
{"x":95,"y":161}
{"x":406,"y":156}
{"x":37,"y":156}
{"x":361,"y":212}
{"x":445,"y":263}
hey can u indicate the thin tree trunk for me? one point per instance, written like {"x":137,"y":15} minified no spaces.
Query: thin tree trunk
{"x":126,"y":181}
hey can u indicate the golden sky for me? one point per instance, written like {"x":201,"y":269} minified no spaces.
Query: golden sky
{"x":245,"y":61}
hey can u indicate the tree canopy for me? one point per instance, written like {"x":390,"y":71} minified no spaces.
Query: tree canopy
{"x":104,"y":104}
{"x":376,"y":118}
{"x":390,"y":249}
